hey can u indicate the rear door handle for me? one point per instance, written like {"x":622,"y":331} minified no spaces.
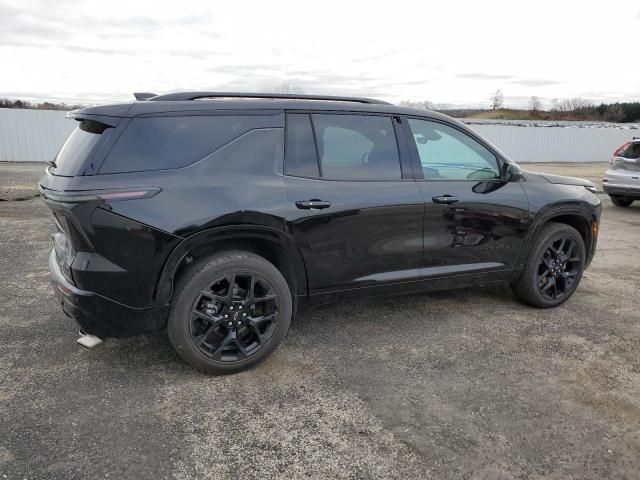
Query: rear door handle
{"x":313,"y":204}
{"x":445,"y":199}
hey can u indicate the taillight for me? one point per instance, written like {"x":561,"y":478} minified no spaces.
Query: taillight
{"x":111,"y":195}
{"x":62,"y":244}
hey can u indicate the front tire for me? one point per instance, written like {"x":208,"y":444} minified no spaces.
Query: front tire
{"x":621,"y":201}
{"x":229,"y":312}
{"x":554,"y":267}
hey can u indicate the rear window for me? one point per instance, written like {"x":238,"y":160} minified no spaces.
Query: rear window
{"x":159,"y":143}
{"x":72,"y":157}
{"x":630,"y":151}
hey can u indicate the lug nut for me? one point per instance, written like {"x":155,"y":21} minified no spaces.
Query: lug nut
{"x":240,"y":307}
{"x":244,"y":314}
{"x":226,"y":316}
{"x":230,"y":308}
{"x":239,"y":323}
{"x":231,"y":324}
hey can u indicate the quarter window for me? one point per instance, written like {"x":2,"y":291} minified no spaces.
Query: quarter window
{"x":449,"y":154}
{"x":156,"y":143}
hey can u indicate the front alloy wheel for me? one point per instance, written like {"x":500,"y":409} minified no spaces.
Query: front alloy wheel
{"x":553,"y":268}
{"x":558,"y":268}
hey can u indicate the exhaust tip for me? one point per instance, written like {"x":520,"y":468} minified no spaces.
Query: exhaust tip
{"x":88,"y":341}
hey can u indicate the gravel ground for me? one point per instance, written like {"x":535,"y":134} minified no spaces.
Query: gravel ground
{"x":467,"y":384}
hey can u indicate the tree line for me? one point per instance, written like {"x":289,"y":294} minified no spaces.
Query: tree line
{"x":6,"y":103}
{"x":576,"y":108}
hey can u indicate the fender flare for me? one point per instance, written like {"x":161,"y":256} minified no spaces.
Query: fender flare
{"x":164,"y":286}
{"x":583,"y":210}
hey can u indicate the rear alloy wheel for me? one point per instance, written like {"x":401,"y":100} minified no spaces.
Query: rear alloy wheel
{"x":621,"y":201}
{"x":554,"y":268}
{"x":230,"y":311}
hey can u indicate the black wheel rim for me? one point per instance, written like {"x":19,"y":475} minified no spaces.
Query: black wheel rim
{"x":234,"y":317}
{"x":559,"y":268}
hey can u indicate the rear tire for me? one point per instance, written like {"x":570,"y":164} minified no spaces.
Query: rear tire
{"x":554,"y":267}
{"x":621,"y":201}
{"x":229,"y":311}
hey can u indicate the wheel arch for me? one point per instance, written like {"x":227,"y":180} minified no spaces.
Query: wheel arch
{"x":268,"y":242}
{"x":578,"y":216}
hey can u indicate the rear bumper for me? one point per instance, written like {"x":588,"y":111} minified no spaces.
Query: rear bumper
{"x":622,"y":190}
{"x":99,"y":315}
{"x":622,"y":182}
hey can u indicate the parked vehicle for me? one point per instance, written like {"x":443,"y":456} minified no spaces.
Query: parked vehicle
{"x":220,"y":215}
{"x":622,"y":180}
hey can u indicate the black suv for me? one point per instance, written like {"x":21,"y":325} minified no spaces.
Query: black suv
{"x":219,"y":215}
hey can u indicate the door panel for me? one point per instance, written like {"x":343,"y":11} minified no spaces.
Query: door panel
{"x":474,"y":222}
{"x":484,"y":230}
{"x":370,"y":235}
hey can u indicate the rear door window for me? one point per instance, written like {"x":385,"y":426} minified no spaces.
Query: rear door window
{"x":301,"y":158}
{"x":159,"y":143}
{"x":72,"y":157}
{"x":357,"y":147}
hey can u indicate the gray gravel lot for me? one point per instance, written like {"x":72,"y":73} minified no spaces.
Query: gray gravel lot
{"x":466,"y":384}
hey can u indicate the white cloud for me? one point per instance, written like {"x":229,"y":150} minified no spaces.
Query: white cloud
{"x":449,"y":52}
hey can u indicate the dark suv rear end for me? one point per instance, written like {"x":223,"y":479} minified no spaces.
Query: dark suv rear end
{"x":218,"y":218}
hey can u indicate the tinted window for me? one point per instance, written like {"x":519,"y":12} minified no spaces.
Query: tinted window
{"x":301,"y":159}
{"x":357,"y":147}
{"x":156,"y":143}
{"x":449,"y":154}
{"x":630,"y":151}
{"x":72,"y":156}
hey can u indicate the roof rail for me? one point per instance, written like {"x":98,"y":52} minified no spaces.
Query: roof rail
{"x":289,"y":96}
{"x":144,"y":95}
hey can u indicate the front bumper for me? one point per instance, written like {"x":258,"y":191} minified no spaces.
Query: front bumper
{"x":100,"y":316}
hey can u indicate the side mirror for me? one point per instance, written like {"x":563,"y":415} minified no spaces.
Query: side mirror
{"x":511,"y":172}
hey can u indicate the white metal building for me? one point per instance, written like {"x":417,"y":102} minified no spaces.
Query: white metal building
{"x":37,"y":135}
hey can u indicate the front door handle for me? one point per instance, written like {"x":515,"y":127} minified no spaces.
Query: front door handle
{"x":445,"y":199}
{"x":313,"y":204}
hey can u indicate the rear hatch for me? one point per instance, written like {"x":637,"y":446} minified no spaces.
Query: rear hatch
{"x":79,"y":158}
{"x":627,"y":158}
{"x":624,"y":167}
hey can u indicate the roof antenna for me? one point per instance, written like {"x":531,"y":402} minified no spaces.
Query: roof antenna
{"x":144,"y":95}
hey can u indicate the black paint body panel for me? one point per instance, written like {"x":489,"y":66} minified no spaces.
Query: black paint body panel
{"x":376,"y":236}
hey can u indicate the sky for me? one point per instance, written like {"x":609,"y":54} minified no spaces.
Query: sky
{"x":455,"y":53}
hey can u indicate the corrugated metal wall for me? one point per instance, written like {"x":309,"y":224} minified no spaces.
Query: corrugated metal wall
{"x":32,"y":135}
{"x":37,"y":135}
{"x":556,"y":144}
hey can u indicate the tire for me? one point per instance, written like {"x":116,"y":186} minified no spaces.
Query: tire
{"x":216,"y":328}
{"x":621,"y":201}
{"x":548,"y":278}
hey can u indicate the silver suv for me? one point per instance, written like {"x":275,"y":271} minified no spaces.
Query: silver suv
{"x":622,"y":180}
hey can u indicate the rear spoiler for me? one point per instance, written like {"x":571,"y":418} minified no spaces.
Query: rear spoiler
{"x":144,"y":95}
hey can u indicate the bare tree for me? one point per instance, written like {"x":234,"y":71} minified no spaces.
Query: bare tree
{"x":535,"y":104}
{"x":497,"y":100}
{"x":421,"y":104}
{"x":575,"y":104}
{"x":288,"y":88}
{"x":613,"y":113}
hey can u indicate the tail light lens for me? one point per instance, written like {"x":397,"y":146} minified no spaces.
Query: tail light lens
{"x":62,"y":244}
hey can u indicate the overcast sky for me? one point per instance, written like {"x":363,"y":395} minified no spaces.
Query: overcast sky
{"x":453,"y":52}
